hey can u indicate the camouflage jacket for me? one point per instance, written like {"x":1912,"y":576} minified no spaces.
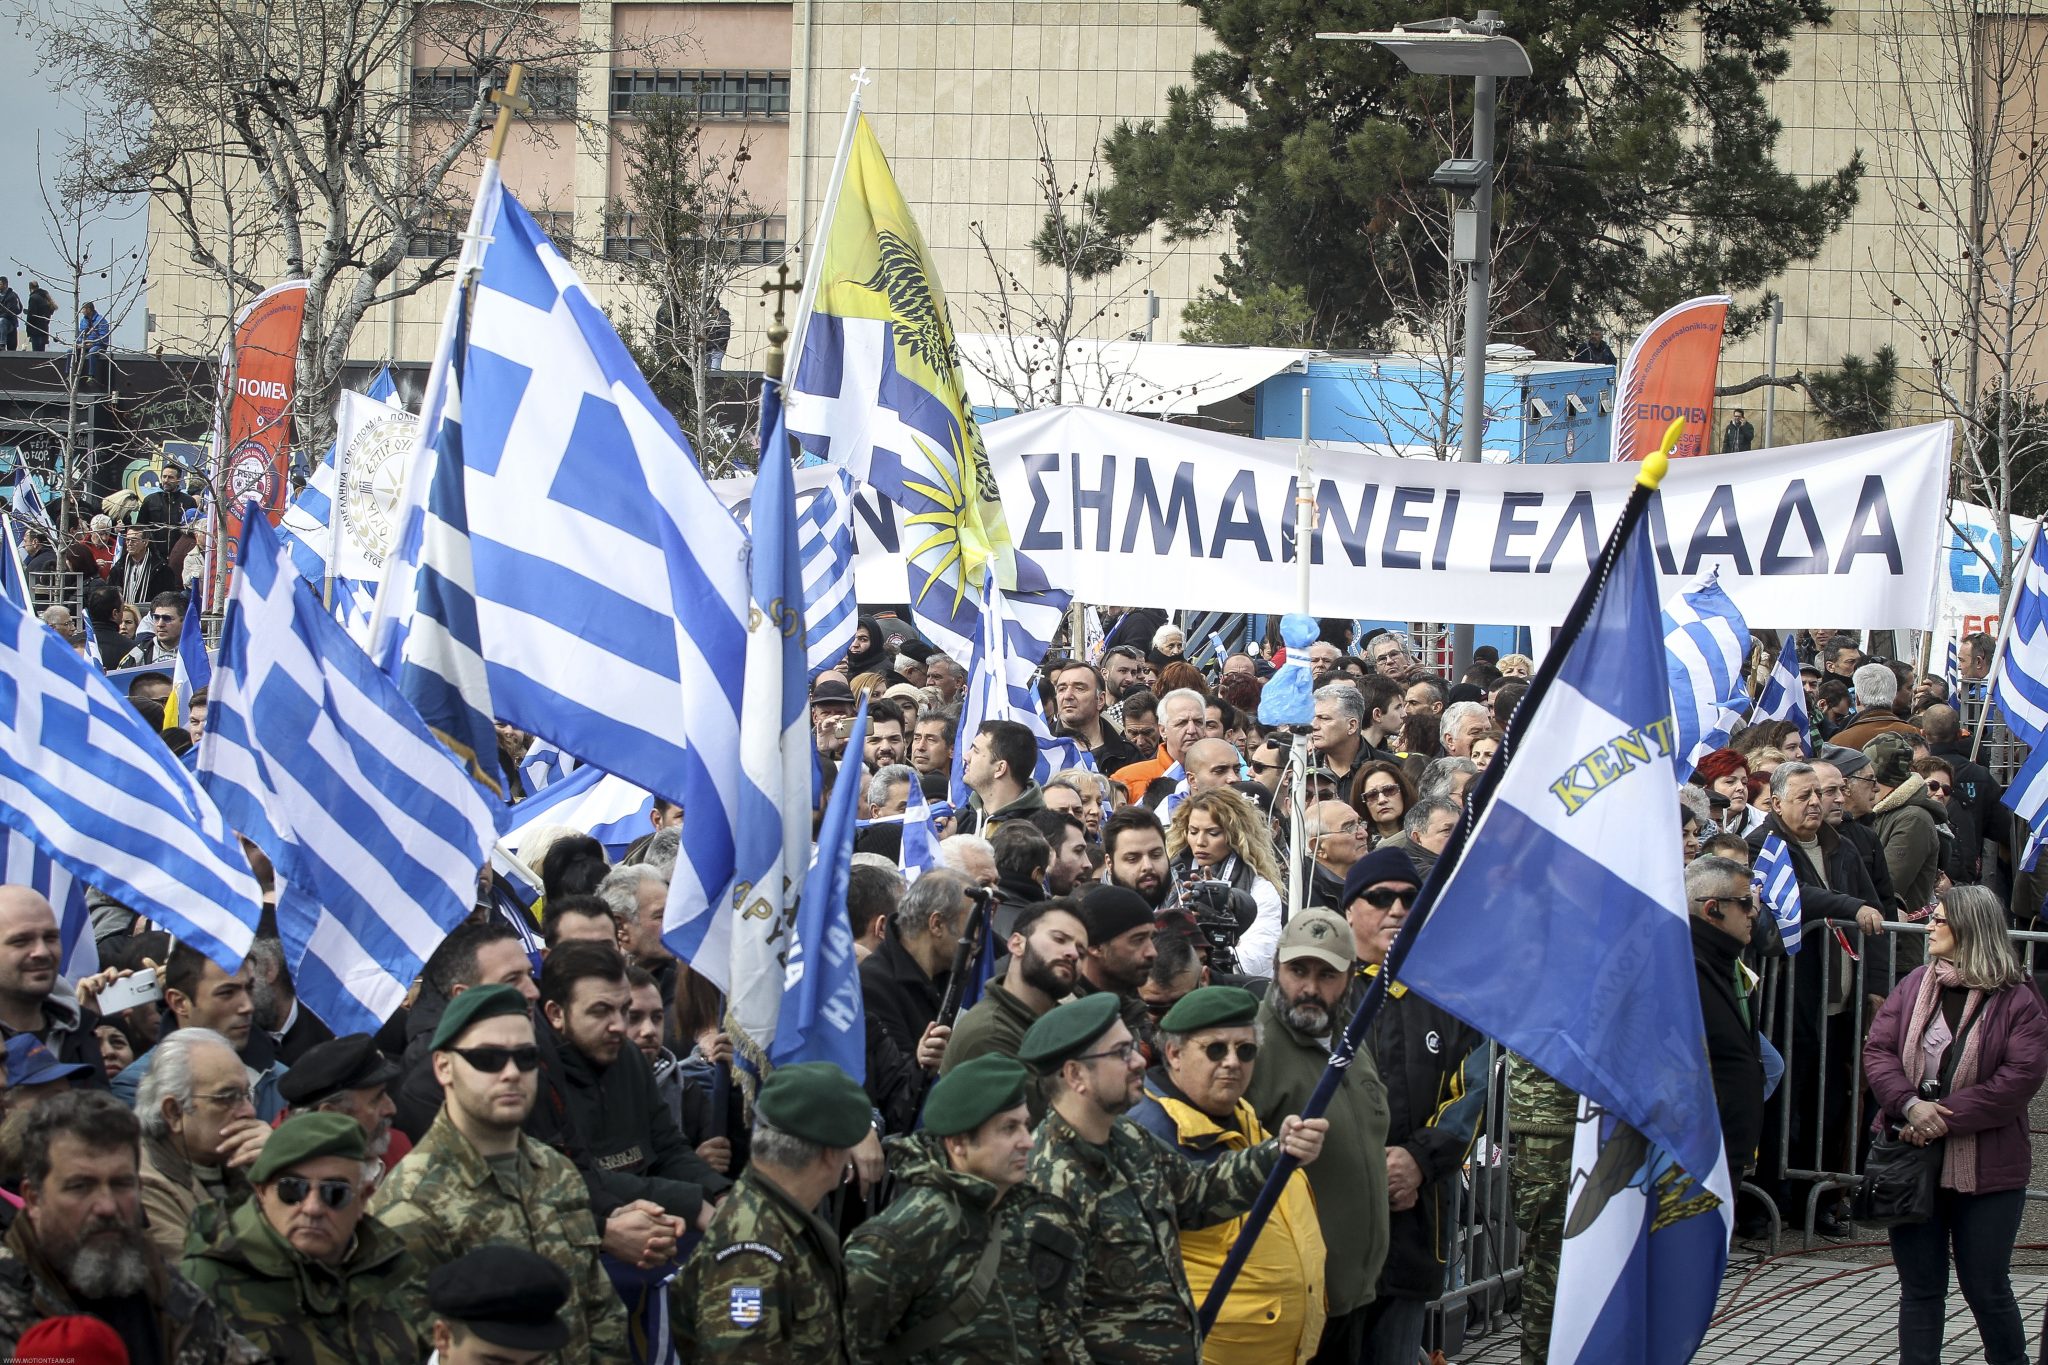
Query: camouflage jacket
{"x":300,"y":1311}
{"x":190,"y":1329}
{"x":916,"y":1259}
{"x":1131,"y":1196}
{"x":1537,"y":1105}
{"x":765,"y":1284}
{"x":445,"y":1199}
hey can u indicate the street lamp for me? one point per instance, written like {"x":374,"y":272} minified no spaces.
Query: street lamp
{"x":1475,"y":48}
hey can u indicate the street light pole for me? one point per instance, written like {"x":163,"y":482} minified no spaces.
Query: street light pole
{"x":1478,"y":288}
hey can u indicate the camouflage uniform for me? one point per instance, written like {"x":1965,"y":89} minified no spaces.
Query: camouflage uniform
{"x":300,"y":1311}
{"x":908,"y":1265}
{"x":1542,"y":1116}
{"x":765,"y":1284}
{"x":445,"y":1199}
{"x":191,"y":1328}
{"x":1131,"y":1196}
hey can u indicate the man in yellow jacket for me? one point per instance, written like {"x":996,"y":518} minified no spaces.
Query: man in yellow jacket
{"x":1195,"y":1103}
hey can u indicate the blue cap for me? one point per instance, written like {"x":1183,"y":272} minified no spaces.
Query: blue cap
{"x":30,"y":1062}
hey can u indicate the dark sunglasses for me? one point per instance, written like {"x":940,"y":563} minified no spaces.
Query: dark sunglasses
{"x":491,"y":1060}
{"x":1216,"y":1052}
{"x":1383,"y":897}
{"x":335,"y":1193}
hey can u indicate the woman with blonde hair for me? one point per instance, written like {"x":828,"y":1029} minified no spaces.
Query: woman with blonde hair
{"x":1517,"y":666}
{"x":1955,"y":1055}
{"x":1217,"y":835}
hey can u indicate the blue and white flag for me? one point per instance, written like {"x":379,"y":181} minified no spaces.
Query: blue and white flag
{"x":308,"y":525}
{"x":28,"y":506}
{"x":2019,"y":681}
{"x":1705,"y":643}
{"x":609,"y":809}
{"x":820,"y":1017}
{"x":23,"y":863}
{"x":1952,"y":673}
{"x":763,"y":927}
{"x":920,"y":849}
{"x":13,"y":573}
{"x":192,"y":670}
{"x":315,"y":756}
{"x":1784,"y":696}
{"x":85,"y":779}
{"x":561,"y":562}
{"x":825,"y":543}
{"x":1002,"y":682}
{"x":1775,"y":882}
{"x":544,"y":765}
{"x":1092,"y":640}
{"x":1568,"y":841}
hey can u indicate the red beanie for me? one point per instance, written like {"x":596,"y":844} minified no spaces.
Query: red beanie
{"x":79,"y":1339}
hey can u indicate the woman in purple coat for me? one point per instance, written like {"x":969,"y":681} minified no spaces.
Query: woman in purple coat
{"x":1972,"y":988}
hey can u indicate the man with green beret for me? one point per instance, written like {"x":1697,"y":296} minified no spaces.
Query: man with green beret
{"x":477,"y":1178}
{"x":970,"y":1262}
{"x":1130,"y":1193}
{"x":766,"y":1283}
{"x":1194,"y":1102}
{"x":300,"y":1269}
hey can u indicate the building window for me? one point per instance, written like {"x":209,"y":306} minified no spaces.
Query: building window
{"x":452,"y":91}
{"x":713,"y":94}
{"x":443,"y":236}
{"x":757,"y":241}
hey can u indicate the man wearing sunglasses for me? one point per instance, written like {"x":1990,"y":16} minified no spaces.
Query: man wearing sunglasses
{"x":299,"y":1269}
{"x":476,"y":1177}
{"x":1194,"y":1102}
{"x":1434,"y":1070}
{"x":1724,"y":907}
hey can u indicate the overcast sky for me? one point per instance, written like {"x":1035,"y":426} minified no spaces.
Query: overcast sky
{"x":32,"y":111}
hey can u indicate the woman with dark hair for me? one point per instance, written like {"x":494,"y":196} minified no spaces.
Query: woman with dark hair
{"x":868,"y":653}
{"x":574,"y":865}
{"x":1421,"y":736}
{"x":1956,"y":1054}
{"x":1383,"y":794}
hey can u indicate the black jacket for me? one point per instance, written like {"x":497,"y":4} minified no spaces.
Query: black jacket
{"x":418,"y":1094}
{"x":1732,"y":1052}
{"x":613,"y":1123}
{"x":1973,"y":812}
{"x":1848,"y":889}
{"x":1420,"y":1052}
{"x":898,"y":995}
{"x":1116,"y":751}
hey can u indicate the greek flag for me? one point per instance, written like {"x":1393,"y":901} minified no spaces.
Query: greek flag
{"x":1784,"y":696}
{"x":308,"y":523}
{"x":742,"y":940}
{"x":1568,"y":840}
{"x":609,"y":809}
{"x":28,"y":506}
{"x":920,"y":849}
{"x":1776,"y":884}
{"x":544,"y":765}
{"x":192,"y":670}
{"x":825,"y":545}
{"x":84,"y":779}
{"x":1002,"y":682}
{"x":24,"y":863}
{"x":820,"y":1016}
{"x":1705,"y":643}
{"x":2019,"y":687}
{"x":561,"y":562}
{"x":315,"y":756}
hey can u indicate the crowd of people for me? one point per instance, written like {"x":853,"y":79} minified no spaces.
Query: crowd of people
{"x":541,"y":1145}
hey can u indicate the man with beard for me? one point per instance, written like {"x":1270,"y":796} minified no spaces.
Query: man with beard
{"x":1312,"y":972}
{"x":293,"y":1031}
{"x":1134,"y":842}
{"x":1121,"y":927}
{"x":350,"y":1076}
{"x":1045,"y":946}
{"x":476,"y":1177}
{"x":1077,"y":692}
{"x":1131,"y":1193}
{"x":78,"y":1245}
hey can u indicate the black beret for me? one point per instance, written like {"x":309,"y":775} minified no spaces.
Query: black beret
{"x":1066,"y":1031}
{"x":351,"y":1062}
{"x":509,"y":1296}
{"x":974,"y":1092}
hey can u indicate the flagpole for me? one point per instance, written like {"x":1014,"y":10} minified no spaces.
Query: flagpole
{"x":1298,"y":864}
{"x":822,"y":233}
{"x":1346,"y":1048}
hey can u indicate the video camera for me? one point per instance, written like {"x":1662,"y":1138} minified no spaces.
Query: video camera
{"x":1218,"y":914}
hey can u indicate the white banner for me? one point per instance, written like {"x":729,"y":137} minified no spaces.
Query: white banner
{"x":1129,"y":510}
{"x":1972,"y":558}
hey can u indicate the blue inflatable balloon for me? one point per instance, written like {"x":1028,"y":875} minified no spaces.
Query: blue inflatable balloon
{"x":1289,"y":697}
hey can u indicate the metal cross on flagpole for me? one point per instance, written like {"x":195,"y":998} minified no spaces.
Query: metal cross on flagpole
{"x":779,"y":287}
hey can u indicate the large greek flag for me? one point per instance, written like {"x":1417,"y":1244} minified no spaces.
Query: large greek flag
{"x":1559,"y":926}
{"x":2019,"y":687}
{"x":561,"y":555}
{"x":1705,"y":643}
{"x":609,"y":809}
{"x":1784,"y":696}
{"x":313,"y":754}
{"x":83,"y":778}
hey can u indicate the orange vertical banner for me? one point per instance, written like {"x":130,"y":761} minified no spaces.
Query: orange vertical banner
{"x":1670,"y":373}
{"x":252,"y":453}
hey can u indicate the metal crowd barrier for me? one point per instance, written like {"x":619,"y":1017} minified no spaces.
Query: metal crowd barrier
{"x":1832,"y":1161}
{"x":1485,"y":1260}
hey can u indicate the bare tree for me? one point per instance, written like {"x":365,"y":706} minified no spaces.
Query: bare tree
{"x":279,"y":140}
{"x":1956,"y":126}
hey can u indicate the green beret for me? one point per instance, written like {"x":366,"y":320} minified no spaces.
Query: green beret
{"x":1209,"y":1007}
{"x":972,"y":1093}
{"x":305,"y":1136}
{"x":817,"y":1102}
{"x":478,"y":1002}
{"x":1066,"y":1031}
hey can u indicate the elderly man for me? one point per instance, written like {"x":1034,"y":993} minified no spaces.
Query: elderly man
{"x":1301,"y":1017}
{"x":1322,"y":659}
{"x":1336,"y":840}
{"x":349,"y":1076}
{"x":1462,"y":722}
{"x":200,"y":1132}
{"x":1391,"y":657}
{"x":78,"y":1245}
{"x":1194,"y":1102}
{"x":476,"y":1177}
{"x":903,"y":982}
{"x":969,"y":1262}
{"x":1181,"y":716}
{"x":637,"y":895}
{"x":1876,"y":687}
{"x":1724,"y":911}
{"x":888,"y":791}
{"x":767,"y":1283}
{"x":1130,"y":1193}
{"x":1338,"y":733}
{"x":299,"y":1269}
